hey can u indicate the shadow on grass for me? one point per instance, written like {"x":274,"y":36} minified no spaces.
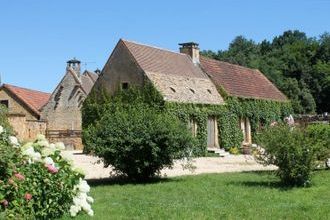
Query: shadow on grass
{"x":271,"y":183}
{"x":122,"y":180}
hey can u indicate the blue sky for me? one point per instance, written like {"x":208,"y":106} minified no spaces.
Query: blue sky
{"x":37,"y":37}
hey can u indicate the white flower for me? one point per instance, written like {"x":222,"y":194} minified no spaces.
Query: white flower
{"x":90,"y":213}
{"x":49,"y":161}
{"x":60,"y":146}
{"x":43,"y":143}
{"x":47,"y":151}
{"x":90,"y":199}
{"x":13,"y":141}
{"x":85,"y":206}
{"x":52,"y":146}
{"x":29,"y":151}
{"x":68,"y":158}
{"x":36,"y":156}
{"x":83,"y":186}
{"x":1,"y":130}
{"x":41,"y":137}
{"x":74,"y":210}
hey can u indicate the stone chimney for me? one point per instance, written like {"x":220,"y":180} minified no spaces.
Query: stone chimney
{"x":74,"y":64}
{"x":192,"y":50}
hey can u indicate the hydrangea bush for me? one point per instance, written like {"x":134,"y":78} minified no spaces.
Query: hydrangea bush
{"x":38,"y":182}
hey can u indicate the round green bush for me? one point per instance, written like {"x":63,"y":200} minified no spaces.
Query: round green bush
{"x":291,"y":150}
{"x":139,"y":141}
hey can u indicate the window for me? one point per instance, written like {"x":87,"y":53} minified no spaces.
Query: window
{"x":5,"y":103}
{"x":124,"y":85}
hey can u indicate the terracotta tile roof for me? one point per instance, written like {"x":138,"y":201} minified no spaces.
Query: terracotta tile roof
{"x":241,"y":81}
{"x":174,"y":75}
{"x":35,"y":100}
{"x":157,"y":60}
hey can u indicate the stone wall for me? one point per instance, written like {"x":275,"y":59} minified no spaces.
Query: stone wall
{"x":120,"y":68}
{"x":25,"y":129}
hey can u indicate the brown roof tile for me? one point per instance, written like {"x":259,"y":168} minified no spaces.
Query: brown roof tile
{"x":241,"y":81}
{"x":157,"y":60}
{"x":174,"y":75}
{"x":35,"y":100}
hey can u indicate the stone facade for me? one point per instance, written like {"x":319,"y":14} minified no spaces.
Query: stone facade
{"x":62,"y":112}
{"x":119,"y":69}
{"x":23,"y":119}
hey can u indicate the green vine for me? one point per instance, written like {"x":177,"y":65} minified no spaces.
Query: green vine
{"x":260,"y":113}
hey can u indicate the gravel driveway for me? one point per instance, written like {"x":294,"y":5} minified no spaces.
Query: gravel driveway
{"x":231,"y":163}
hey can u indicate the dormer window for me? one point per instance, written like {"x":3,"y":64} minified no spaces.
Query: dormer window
{"x":124,"y":86}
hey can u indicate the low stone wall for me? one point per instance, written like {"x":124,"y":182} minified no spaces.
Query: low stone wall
{"x":26,"y":130}
{"x":71,"y":138}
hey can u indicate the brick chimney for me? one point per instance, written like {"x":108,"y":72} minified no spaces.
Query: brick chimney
{"x":74,"y":64}
{"x":192,"y":50}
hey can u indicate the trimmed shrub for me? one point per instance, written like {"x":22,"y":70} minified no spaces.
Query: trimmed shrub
{"x":291,"y":150}
{"x":138,"y":140}
{"x":37,"y":182}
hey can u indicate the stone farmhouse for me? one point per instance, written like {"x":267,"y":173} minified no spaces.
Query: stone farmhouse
{"x":56,"y":115}
{"x":185,"y":77}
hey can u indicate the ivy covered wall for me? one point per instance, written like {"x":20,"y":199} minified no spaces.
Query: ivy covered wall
{"x":260,"y":112}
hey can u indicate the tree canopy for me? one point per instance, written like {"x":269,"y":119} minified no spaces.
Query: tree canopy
{"x":297,"y":64}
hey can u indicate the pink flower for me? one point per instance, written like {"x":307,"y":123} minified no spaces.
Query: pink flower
{"x":28,"y":196}
{"x":19,"y":176}
{"x":5,"y":203}
{"x":51,"y":169}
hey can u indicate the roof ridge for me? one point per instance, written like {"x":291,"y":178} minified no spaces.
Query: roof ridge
{"x":154,"y":47}
{"x":231,"y":64}
{"x":18,"y":87}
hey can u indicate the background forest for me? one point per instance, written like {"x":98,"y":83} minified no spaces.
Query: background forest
{"x":299,"y":66}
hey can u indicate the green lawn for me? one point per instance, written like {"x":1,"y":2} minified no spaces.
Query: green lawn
{"x":216,"y":196}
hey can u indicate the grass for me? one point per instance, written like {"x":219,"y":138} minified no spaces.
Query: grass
{"x":252,"y":195}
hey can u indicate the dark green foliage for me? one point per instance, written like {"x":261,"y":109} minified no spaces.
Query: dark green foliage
{"x":291,"y":150}
{"x":139,"y":141}
{"x":320,"y":136}
{"x":298,"y":65}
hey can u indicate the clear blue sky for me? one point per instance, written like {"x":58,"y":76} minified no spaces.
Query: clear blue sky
{"x":37,"y":37}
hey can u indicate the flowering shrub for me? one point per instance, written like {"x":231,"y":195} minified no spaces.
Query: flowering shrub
{"x":38,"y":182}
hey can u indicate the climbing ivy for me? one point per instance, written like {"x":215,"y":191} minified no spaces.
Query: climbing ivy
{"x":260,"y":113}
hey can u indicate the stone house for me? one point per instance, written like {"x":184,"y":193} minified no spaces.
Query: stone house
{"x":56,"y":115}
{"x":185,"y":77}
{"x":24,"y":110}
{"x":62,"y":111}
{"x":242,"y":82}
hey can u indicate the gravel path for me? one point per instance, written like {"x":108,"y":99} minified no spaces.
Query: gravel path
{"x":94,"y":168}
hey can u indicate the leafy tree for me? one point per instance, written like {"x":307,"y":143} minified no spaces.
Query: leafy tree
{"x":295,"y":63}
